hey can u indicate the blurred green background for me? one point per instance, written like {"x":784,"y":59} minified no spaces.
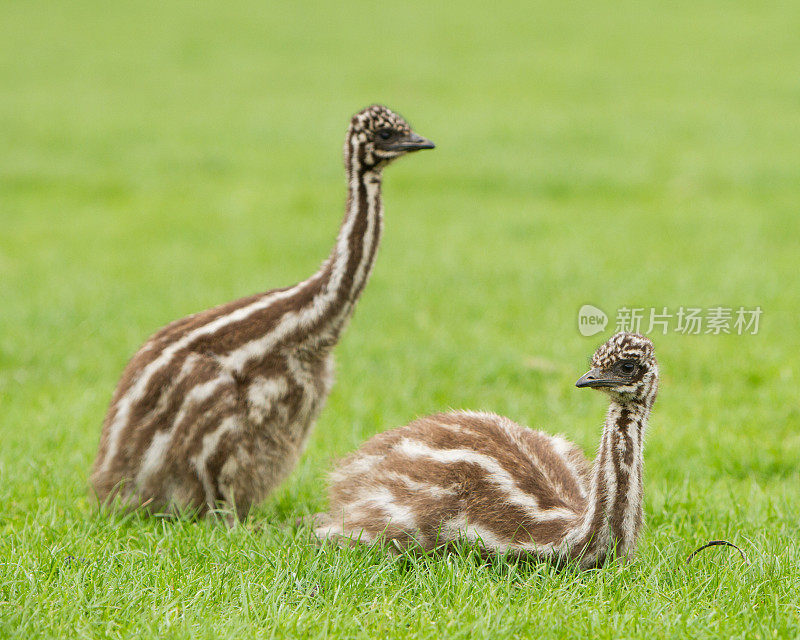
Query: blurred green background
{"x":160,"y":158}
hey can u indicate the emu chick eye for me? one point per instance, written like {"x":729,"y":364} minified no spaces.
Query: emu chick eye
{"x":385,"y":134}
{"x":627,"y":368}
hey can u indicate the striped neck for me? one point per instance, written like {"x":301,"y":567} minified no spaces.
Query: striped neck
{"x":613,"y":515}
{"x":344,"y":274}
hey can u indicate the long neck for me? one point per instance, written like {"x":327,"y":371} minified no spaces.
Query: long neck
{"x":344,"y":274}
{"x":613,"y":515}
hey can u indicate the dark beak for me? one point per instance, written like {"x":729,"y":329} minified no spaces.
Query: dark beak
{"x":412,"y":142}
{"x":597,"y":378}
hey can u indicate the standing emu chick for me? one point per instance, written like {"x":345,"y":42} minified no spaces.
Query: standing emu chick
{"x":483,"y":478}
{"x":215,"y":409}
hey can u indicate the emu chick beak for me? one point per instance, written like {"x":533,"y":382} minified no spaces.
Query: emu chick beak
{"x":596,"y":378}
{"x":413,"y":142}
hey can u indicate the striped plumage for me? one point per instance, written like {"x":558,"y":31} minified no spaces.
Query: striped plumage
{"x":214,"y":409}
{"x":483,"y":478}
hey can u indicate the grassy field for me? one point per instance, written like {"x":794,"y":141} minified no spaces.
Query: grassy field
{"x":157,"y":159}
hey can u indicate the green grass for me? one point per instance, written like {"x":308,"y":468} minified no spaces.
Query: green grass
{"x":159,"y":158}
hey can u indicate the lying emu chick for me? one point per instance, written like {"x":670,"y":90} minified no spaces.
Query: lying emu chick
{"x":483,"y":478}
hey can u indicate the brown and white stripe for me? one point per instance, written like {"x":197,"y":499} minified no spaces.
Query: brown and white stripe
{"x":507,"y":488}
{"x":215,"y":408}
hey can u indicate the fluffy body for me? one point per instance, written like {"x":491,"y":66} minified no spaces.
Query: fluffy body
{"x":214,"y":410}
{"x":507,"y":488}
